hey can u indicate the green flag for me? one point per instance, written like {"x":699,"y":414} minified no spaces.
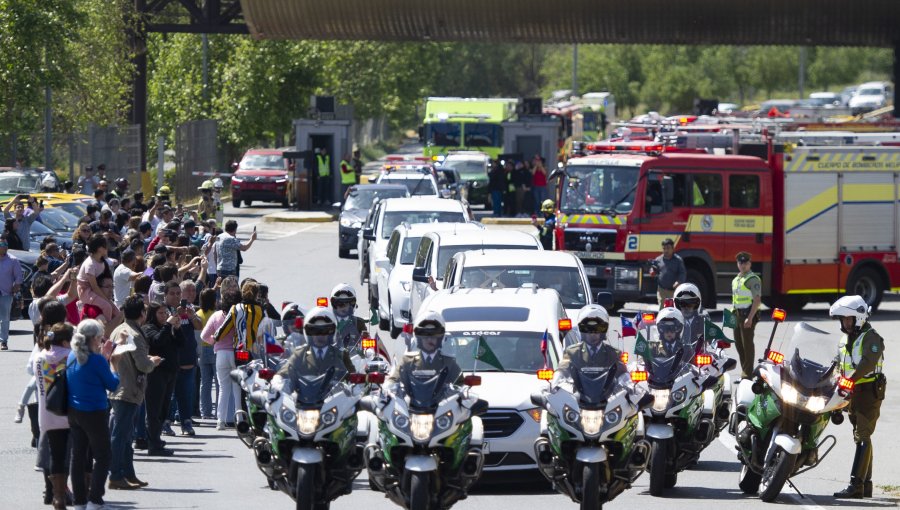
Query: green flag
{"x":642,"y":348}
{"x":373,"y":320}
{"x":714,"y":332}
{"x":484,"y":354}
{"x":728,"y":319}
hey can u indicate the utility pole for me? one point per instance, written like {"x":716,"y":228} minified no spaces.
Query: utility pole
{"x":205,"y":48}
{"x":801,"y":77}
{"x":48,"y":129}
{"x":574,"y":69}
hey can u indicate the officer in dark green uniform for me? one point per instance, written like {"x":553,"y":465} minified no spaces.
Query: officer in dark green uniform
{"x":746,"y":296}
{"x":349,"y":326}
{"x":320,"y":352}
{"x":592,"y":351}
{"x":429,"y":336}
{"x":861,"y":355}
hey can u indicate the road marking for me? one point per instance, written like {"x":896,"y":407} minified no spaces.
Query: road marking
{"x":806,"y":502}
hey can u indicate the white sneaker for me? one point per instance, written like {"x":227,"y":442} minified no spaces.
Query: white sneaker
{"x":20,"y":413}
{"x":220,"y":426}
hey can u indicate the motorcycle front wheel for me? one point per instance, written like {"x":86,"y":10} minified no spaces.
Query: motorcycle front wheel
{"x":590,"y":488}
{"x":306,"y":492}
{"x":418,"y":491}
{"x":775,"y":474}
{"x":749,"y":481}
{"x":657,"y":468}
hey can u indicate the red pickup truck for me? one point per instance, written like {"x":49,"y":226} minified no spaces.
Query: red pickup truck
{"x":262,"y":174}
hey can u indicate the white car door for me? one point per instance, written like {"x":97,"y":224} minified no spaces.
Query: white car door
{"x":418,"y":292}
{"x":387,"y":263}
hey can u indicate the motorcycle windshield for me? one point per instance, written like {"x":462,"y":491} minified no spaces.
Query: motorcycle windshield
{"x":664,"y":370}
{"x":810,"y":357}
{"x":312,"y":390}
{"x":593,"y":385}
{"x":424,"y":388}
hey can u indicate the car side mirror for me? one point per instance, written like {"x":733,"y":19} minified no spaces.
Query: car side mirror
{"x":419,"y":275}
{"x":605,"y":299}
{"x":368,"y":234}
{"x":383,"y":263}
{"x":729,"y":364}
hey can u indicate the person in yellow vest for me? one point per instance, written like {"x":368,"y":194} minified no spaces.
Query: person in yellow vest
{"x":206,"y":207}
{"x":348,"y":176}
{"x":746,"y":295}
{"x":323,"y":163}
{"x":861,"y":355}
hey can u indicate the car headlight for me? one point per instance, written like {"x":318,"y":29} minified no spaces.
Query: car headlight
{"x":679,"y":396}
{"x":288,"y":416}
{"x":443,"y":422}
{"x":236,"y":178}
{"x":570,"y":415}
{"x":591,"y":421}
{"x":308,"y":421}
{"x":421,"y":426}
{"x":406,"y":286}
{"x":347,"y":222}
{"x":329,"y":417}
{"x":628,"y":273}
{"x":789,"y":394}
{"x":660,"y":399}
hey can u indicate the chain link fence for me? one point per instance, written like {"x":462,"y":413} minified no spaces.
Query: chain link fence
{"x":196,"y":150}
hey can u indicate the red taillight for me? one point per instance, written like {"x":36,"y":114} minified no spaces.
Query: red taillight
{"x":722,"y":344}
{"x":701,"y":360}
{"x":375,"y":378}
{"x":565,"y":324}
{"x":472,"y":380}
{"x":639,"y":376}
{"x":545,"y":374}
{"x":242,"y":356}
{"x":408,"y":329}
{"x":778,"y":315}
{"x":846,"y":384}
{"x":298,"y":323}
{"x":357,"y":378}
{"x":668,"y":303}
{"x":776,"y":357}
{"x":368,"y":343}
{"x":266,"y":373}
{"x":322,"y":302}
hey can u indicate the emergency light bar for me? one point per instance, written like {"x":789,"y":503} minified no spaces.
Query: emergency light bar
{"x":322,"y":302}
{"x":632,"y":147}
{"x":846,"y":384}
{"x":624,"y":357}
{"x":375,"y":378}
{"x":368,"y":343}
{"x":702,"y":360}
{"x":357,"y":378}
{"x":241,"y":356}
{"x":778,"y":315}
{"x":565,"y":324}
{"x":545,"y":374}
{"x":648,"y":317}
{"x":639,"y":376}
{"x":776,"y":357}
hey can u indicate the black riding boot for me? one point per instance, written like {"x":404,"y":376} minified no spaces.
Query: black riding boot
{"x":867,"y":485}
{"x":856,"y":489}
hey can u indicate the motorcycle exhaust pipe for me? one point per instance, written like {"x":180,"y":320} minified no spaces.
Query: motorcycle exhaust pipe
{"x":640,"y":456}
{"x":473,"y":463}
{"x":373,"y":459}
{"x":723,"y":411}
{"x":355,"y":460}
{"x":705,"y":431}
{"x":542,"y":452}
{"x":262,"y":451}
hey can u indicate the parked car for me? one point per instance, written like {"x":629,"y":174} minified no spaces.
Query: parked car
{"x":870,"y":96}
{"x":262,"y":174}
{"x":359,"y":200}
{"x":420,"y":181}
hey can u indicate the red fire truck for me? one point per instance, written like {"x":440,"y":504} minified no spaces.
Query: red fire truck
{"x":819,"y":221}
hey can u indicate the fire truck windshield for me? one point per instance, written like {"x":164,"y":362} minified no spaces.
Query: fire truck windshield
{"x":599,"y":189}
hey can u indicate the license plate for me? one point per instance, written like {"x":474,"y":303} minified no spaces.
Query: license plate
{"x":590,"y":270}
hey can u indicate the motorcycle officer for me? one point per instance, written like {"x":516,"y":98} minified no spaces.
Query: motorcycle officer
{"x":349,"y":327}
{"x":594,"y":350}
{"x":688,"y":302}
{"x":293,"y":337}
{"x":320,"y":351}
{"x":861,"y":355}
{"x":218,"y":186}
{"x":429,"y":334}
{"x":670,"y":326}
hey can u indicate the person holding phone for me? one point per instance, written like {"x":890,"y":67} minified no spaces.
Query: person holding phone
{"x":228,"y":248}
{"x":176,"y":300}
{"x":26,"y":211}
{"x":163,"y":333}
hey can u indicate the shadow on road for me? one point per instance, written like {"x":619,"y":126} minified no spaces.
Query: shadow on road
{"x":500,"y":484}
{"x":685,"y":492}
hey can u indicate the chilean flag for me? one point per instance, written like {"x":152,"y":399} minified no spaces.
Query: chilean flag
{"x":628,"y":328}
{"x":272,"y":346}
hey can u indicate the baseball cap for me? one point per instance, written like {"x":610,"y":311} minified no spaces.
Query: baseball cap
{"x":742,"y":257}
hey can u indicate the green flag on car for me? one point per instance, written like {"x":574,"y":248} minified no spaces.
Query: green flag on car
{"x":642,"y":348}
{"x":485,"y":354}
{"x":714,"y":332}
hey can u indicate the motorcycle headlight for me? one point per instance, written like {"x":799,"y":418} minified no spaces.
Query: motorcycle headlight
{"x":330,"y":417}
{"x":443,"y":422}
{"x":571,"y":415}
{"x":679,"y":396}
{"x":288,"y":416}
{"x":613,"y":417}
{"x":591,"y":421}
{"x":401,"y":422}
{"x":660,"y":399}
{"x":816,"y":404}
{"x":421,"y":426}
{"x":308,"y":421}
{"x":789,"y":394}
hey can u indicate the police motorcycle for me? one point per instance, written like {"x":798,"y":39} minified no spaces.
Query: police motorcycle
{"x":710,"y":357}
{"x":674,"y":425}
{"x":352,"y":332}
{"x":590,"y":450}
{"x":312,"y":450}
{"x":428,"y":451}
{"x":780,"y":415}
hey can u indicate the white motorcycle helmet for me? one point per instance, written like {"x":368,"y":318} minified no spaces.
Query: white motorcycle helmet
{"x":669,"y":320}
{"x":687,"y":299}
{"x":430,"y":324}
{"x":593,"y":323}
{"x":217,"y":184}
{"x":289,"y":313}
{"x":851,"y":306}
{"x":319,"y":327}
{"x":341,"y":295}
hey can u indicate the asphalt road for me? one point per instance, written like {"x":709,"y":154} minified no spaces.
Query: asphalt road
{"x":299,"y":262}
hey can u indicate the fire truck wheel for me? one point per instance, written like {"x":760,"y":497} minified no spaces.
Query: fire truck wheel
{"x":707,"y":291}
{"x":867,"y":283}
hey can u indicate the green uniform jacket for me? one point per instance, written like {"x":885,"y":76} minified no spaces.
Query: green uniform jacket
{"x":348,"y":332}
{"x":872,"y":350}
{"x":578,"y":355}
{"x":415,"y":361}
{"x":303,"y":362}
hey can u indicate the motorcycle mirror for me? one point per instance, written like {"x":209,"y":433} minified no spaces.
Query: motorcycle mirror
{"x":837,"y":417}
{"x":729,"y":364}
{"x":236,"y":375}
{"x":645,"y":401}
{"x":709,"y":382}
{"x":538,"y":399}
{"x":757,"y":387}
{"x":472,"y":380}
{"x":479,"y":407}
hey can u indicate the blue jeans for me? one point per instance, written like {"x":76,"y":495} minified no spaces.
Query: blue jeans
{"x":497,"y":203}
{"x":140,"y":423}
{"x":5,"y":311}
{"x":183,"y":397}
{"x":207,"y":379}
{"x":121,"y":429}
